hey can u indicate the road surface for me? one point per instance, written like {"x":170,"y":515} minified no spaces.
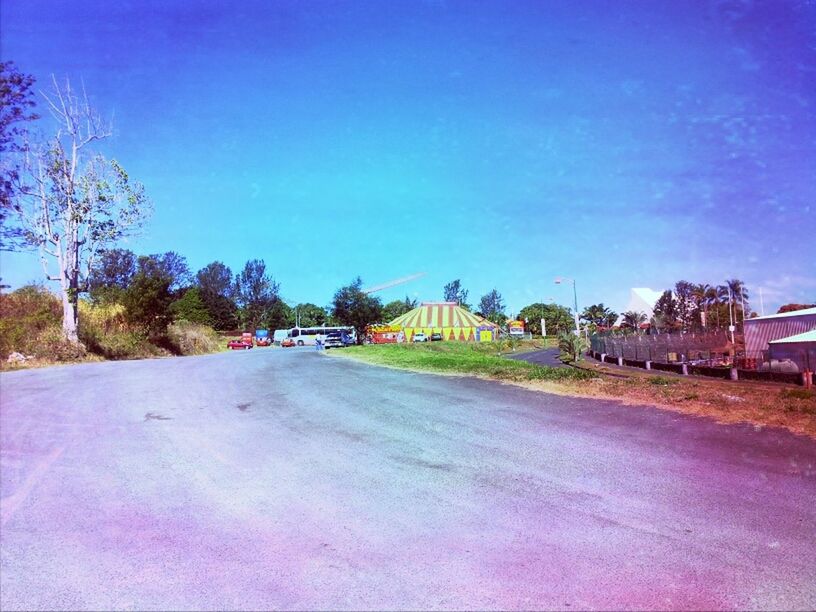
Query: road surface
{"x":547,"y":357}
{"x":283,"y":478}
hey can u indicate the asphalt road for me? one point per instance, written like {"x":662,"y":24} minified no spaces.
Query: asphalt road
{"x":282,"y":478}
{"x":547,"y":357}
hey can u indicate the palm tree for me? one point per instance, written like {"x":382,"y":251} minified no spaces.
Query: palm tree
{"x":700,"y":294}
{"x":723,"y":298}
{"x":739,"y":295}
{"x":632,"y":320}
{"x":712,"y":300}
{"x":598,"y":314}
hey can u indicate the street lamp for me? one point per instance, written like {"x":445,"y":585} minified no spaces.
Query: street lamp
{"x":558,"y":281}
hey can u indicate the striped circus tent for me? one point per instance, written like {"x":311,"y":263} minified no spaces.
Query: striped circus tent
{"x":448,"y":319}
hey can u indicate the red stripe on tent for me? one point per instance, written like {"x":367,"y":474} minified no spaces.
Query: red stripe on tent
{"x":439,"y":316}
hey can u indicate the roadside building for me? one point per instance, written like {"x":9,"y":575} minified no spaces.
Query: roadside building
{"x":641,"y":299}
{"x":799,"y":349}
{"x":448,"y":319}
{"x":760,"y":332}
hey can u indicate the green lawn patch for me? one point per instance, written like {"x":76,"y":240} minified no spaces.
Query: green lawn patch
{"x":460,"y":358}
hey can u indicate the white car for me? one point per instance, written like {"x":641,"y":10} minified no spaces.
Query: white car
{"x":420,"y":337}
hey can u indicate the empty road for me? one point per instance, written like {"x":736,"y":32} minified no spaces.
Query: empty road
{"x":283,"y":478}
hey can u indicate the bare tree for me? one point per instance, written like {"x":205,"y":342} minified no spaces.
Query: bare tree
{"x":78,"y":202}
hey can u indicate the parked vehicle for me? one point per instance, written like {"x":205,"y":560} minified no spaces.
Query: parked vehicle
{"x":307,"y":335}
{"x":279,"y":336}
{"x":239,"y":345}
{"x":436,"y":337}
{"x":420,"y":337}
{"x":262,"y":337}
{"x":287,"y":342}
{"x":338,"y":339}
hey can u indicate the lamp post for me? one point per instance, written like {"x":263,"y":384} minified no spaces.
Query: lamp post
{"x":558,"y":281}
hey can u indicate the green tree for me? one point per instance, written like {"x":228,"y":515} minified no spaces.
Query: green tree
{"x":215,"y":278}
{"x":454,"y":292}
{"x":16,"y":111}
{"x":397,"y":308}
{"x":111,"y":275}
{"x":557,"y":318}
{"x":311,"y":315}
{"x":257,"y":296}
{"x":215,"y":285}
{"x":794,"y":307}
{"x":190,"y":307}
{"x":633,"y":320}
{"x":599,"y":315}
{"x":665,"y":313}
{"x":351,"y":306}
{"x":701,"y":294}
{"x":685,"y":303}
{"x":148,"y":297}
{"x":491,"y":307}
{"x":278,"y":316}
{"x":739,"y":299}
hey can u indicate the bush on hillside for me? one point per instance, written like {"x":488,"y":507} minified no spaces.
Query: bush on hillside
{"x":24,"y":315}
{"x":186,"y":338}
{"x":105,"y":331}
{"x":52,"y":345}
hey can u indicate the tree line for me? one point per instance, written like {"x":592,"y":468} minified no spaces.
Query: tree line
{"x":695,"y":307}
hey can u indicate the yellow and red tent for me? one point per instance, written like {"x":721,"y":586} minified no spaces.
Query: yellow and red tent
{"x":448,"y":319}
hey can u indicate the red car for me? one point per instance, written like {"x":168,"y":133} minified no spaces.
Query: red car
{"x":287,"y":342}
{"x":238,"y":344}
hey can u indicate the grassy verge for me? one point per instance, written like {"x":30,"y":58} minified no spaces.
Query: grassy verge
{"x":460,"y":358}
{"x":762,"y":404}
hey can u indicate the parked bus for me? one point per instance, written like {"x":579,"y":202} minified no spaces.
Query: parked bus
{"x":307,"y":335}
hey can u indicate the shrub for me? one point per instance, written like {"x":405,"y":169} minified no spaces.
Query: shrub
{"x":571,"y":346}
{"x":105,"y":331}
{"x":52,"y":345}
{"x":186,"y":338}
{"x":24,"y":315}
{"x":103,"y":318}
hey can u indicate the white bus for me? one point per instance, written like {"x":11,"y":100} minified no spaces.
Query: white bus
{"x":307,"y":335}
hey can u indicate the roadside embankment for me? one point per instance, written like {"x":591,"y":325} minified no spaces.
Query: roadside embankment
{"x":762,"y":404}
{"x":31,"y":333}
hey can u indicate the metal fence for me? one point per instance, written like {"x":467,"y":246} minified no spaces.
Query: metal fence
{"x":710,"y":348}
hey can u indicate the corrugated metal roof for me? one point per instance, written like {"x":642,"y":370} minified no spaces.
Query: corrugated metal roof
{"x":808,"y":336}
{"x":782,"y":315}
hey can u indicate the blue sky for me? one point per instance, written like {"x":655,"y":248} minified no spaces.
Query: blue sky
{"x":625,"y":144}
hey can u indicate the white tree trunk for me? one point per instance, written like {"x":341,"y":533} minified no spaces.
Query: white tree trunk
{"x":69,"y":317}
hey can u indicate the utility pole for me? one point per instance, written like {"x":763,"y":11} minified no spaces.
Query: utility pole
{"x":731,"y":315}
{"x":558,"y":281}
{"x":761,"y":303}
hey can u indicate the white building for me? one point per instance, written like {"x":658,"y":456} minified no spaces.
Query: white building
{"x":642,"y":300}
